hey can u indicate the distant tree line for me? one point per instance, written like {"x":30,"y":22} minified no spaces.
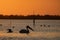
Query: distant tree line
{"x":30,"y":17}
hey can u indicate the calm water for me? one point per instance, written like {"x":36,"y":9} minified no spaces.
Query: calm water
{"x":50,"y":25}
{"x":43,"y":29}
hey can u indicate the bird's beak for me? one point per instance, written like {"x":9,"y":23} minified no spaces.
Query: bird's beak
{"x":30,"y":28}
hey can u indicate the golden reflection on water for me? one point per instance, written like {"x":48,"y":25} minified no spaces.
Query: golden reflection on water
{"x":32,"y":34}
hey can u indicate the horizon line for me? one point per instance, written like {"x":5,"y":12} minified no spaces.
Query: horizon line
{"x":29,"y":15}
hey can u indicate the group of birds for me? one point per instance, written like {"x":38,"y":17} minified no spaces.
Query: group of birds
{"x":26,"y":31}
{"x":45,"y":25}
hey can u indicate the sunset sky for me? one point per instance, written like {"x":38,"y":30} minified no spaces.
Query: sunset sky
{"x":29,"y":7}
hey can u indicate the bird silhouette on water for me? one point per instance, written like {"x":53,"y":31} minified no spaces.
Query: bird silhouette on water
{"x":10,"y":30}
{"x":26,"y":30}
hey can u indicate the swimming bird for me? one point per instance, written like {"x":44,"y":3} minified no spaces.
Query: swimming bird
{"x":41,"y":25}
{"x":9,"y":30}
{"x":44,"y":25}
{"x":26,"y":30}
{"x":48,"y":25}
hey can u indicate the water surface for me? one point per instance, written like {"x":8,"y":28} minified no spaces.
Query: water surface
{"x":43,"y":29}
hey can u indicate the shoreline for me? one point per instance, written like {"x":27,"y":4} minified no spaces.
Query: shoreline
{"x":28,"y":19}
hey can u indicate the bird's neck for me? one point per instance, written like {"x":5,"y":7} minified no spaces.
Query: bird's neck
{"x":27,"y":29}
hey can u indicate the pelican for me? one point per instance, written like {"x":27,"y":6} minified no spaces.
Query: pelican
{"x":26,"y":30}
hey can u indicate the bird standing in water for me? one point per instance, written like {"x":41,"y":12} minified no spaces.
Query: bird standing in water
{"x":26,"y":30}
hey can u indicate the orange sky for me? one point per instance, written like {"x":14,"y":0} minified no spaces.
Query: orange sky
{"x":26,"y":7}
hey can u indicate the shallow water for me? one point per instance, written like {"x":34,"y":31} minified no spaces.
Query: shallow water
{"x":30,"y":36}
{"x":51,"y":32}
{"x":16,"y":38}
{"x":54,"y":25}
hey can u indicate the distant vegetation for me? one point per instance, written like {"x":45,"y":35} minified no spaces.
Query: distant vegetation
{"x":30,"y":17}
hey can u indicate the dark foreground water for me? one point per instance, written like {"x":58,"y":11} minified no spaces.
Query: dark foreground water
{"x":16,"y":38}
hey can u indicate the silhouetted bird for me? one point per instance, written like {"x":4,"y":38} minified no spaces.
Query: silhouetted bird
{"x":44,"y":25}
{"x":26,"y":30}
{"x":41,"y":25}
{"x":48,"y":25}
{"x":10,"y":31}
